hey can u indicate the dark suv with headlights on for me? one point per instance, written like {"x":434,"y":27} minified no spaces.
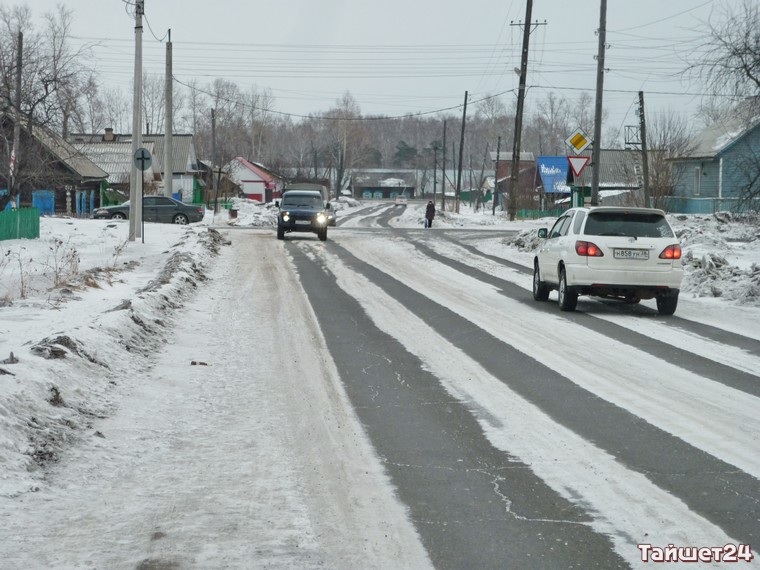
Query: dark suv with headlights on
{"x":302,"y":211}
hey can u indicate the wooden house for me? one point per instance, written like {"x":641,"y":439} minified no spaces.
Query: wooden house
{"x":47,"y":165}
{"x":723,"y":170}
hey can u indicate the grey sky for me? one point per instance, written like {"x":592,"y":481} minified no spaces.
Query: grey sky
{"x":405,"y":56}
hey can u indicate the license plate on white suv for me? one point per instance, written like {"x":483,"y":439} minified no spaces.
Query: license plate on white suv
{"x":630,"y":253}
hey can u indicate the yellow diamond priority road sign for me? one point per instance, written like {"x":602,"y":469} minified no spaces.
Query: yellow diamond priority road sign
{"x":578,"y":141}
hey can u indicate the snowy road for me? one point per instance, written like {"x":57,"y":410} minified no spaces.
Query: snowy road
{"x":394,"y":398}
{"x":619,"y":423}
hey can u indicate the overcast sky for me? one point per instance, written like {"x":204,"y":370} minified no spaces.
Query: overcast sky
{"x":405,"y":56}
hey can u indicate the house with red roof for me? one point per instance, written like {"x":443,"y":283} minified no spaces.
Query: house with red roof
{"x":255,"y":181}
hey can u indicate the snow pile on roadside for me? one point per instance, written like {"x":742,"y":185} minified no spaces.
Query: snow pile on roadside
{"x":711,"y":275}
{"x":252,"y":213}
{"x":469,"y":217}
{"x":112,"y":347}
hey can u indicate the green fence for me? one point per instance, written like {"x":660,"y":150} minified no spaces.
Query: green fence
{"x":20,"y":224}
{"x":536,"y":214}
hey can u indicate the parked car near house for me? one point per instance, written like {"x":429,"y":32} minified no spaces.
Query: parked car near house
{"x":627,"y":254}
{"x":155,"y":209}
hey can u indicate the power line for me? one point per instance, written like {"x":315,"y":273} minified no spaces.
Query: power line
{"x":328,"y":118}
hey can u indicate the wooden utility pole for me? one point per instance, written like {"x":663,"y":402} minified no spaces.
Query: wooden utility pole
{"x":644,"y":156}
{"x":443,"y":178}
{"x":596,"y":149}
{"x":435,"y":170}
{"x":168,"y":129}
{"x":482,"y":178}
{"x":514,"y":175}
{"x":461,"y":150}
{"x":135,"y":214}
{"x":214,"y":185}
{"x":496,"y":177}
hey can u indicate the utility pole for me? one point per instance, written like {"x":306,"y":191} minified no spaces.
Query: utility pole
{"x":435,"y":170}
{"x":644,"y":157}
{"x":168,"y":119}
{"x":481,"y":179}
{"x":443,"y":179}
{"x":461,"y":150}
{"x":514,"y":175}
{"x":596,"y":149}
{"x":16,"y":151}
{"x":496,"y":177}
{"x":214,"y":187}
{"x":135,"y":214}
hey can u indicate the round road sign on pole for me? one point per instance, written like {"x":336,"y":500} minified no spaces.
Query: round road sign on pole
{"x":143,"y":159}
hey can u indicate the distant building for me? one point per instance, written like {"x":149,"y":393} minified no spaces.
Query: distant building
{"x":382,"y":183}
{"x":255,"y":181}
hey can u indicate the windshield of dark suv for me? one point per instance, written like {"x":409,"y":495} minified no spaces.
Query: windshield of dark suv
{"x":633,"y":224}
{"x":301,"y":202}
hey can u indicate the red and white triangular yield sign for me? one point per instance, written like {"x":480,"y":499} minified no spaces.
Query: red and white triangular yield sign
{"x":578,"y":163}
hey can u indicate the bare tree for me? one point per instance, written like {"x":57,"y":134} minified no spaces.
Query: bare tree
{"x":493,"y":112}
{"x":52,"y":79}
{"x":553,"y":124}
{"x":260,"y":104}
{"x":154,"y":99}
{"x":117,"y":111}
{"x":194,"y":109}
{"x":728,"y":63}
{"x":668,"y":136}
{"x":729,"y":60}
{"x":346,"y":140}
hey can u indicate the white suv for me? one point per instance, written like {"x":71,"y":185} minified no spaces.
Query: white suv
{"x":620,"y":253}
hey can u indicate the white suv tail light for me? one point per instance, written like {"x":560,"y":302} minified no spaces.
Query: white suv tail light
{"x":588,"y":249}
{"x":670,"y":252}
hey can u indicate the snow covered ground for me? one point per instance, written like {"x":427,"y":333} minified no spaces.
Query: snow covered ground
{"x":82,"y":289}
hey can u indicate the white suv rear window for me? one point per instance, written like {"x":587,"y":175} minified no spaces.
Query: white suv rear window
{"x":634,"y":224}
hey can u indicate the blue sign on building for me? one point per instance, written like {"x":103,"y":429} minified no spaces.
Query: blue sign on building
{"x":553,"y":172}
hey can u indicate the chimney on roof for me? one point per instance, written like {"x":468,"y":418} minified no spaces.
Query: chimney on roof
{"x":109,"y":137}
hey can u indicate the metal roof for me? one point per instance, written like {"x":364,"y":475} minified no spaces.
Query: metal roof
{"x":79,"y":164}
{"x":718,"y":137}
{"x":384,"y":178}
{"x":183,"y":149}
{"x":115,"y":158}
{"x":183,"y":153}
{"x":506,"y":155}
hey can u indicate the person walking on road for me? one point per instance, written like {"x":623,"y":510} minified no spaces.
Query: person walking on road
{"x":429,"y":214}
